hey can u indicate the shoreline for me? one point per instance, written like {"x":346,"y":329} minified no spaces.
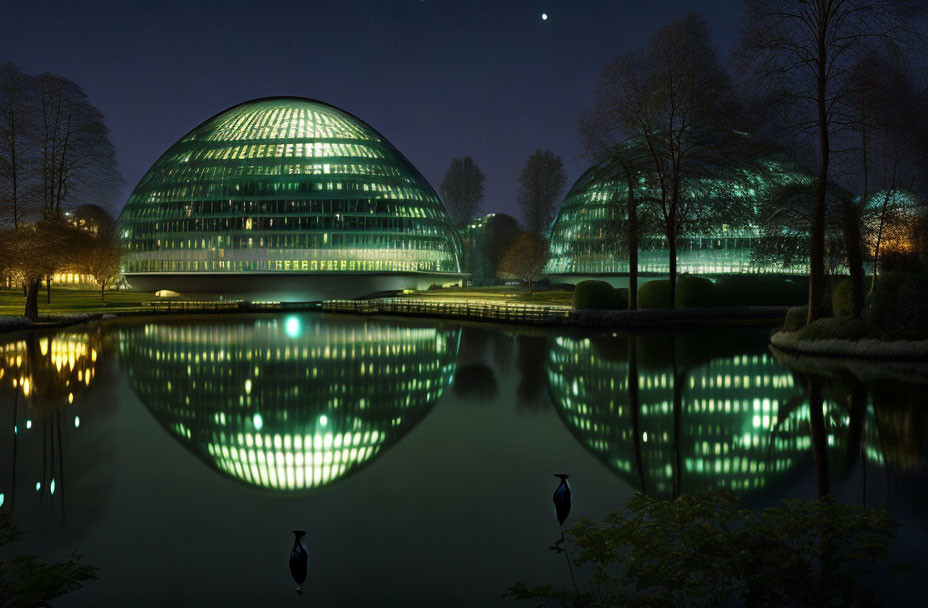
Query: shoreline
{"x":14,"y":323}
{"x":859,"y":350}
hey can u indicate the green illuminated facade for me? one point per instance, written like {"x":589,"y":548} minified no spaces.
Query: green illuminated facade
{"x":285,"y":403}
{"x":743,"y":423}
{"x":289,"y":188}
{"x":583,"y":238}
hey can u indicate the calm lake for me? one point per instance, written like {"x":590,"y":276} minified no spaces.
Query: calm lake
{"x":178,"y":454}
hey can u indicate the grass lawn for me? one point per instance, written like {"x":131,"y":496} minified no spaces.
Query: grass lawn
{"x":66,"y":299}
{"x":502,"y":293}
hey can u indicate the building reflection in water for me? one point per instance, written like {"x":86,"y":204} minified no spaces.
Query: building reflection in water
{"x":288,"y":403}
{"x":44,"y":377}
{"x":679,"y":414}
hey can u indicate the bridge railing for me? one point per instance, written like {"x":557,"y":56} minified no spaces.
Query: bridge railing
{"x":511,"y":312}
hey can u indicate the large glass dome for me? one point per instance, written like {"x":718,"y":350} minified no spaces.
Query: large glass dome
{"x":583,"y":235}
{"x":286,"y":186}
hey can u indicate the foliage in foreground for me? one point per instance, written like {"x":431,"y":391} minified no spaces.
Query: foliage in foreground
{"x":709,"y":550}
{"x":25,"y":581}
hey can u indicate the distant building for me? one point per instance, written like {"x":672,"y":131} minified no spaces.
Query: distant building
{"x":288,"y":198}
{"x":484,"y":241}
{"x":584,"y":241}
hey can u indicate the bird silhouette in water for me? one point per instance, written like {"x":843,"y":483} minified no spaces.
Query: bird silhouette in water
{"x":562,"y":508}
{"x":298,"y":559}
{"x":562,"y":499}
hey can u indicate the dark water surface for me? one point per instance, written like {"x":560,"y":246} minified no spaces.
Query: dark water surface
{"x":177,"y":455}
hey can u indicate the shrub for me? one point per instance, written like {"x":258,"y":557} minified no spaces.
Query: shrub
{"x":761,"y":290}
{"x":899,"y":309}
{"x":841,"y":299}
{"x":796,"y":318}
{"x":654,"y":294}
{"x":600,"y":295}
{"x":834,"y":328}
{"x":901,"y":261}
{"x":621,"y":298}
{"x":693,"y":291}
{"x":711,"y":550}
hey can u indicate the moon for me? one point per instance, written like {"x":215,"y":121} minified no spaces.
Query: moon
{"x":544,"y":16}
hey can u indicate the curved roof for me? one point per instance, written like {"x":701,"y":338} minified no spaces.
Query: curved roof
{"x":288,"y":403}
{"x":733,"y":434}
{"x":583,"y":234}
{"x":286,"y":184}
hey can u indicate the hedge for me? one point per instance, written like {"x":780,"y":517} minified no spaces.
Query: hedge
{"x":654,"y":294}
{"x":695,"y":292}
{"x":899,"y":308}
{"x":600,"y":295}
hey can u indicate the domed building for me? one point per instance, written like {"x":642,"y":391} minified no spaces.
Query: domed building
{"x":743,"y":424}
{"x":584,"y":233}
{"x":288,"y":198}
{"x":288,"y":403}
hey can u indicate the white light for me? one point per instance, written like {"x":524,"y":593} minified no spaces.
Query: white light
{"x":77,"y":421}
{"x":258,"y":421}
{"x":28,"y":424}
{"x":293,"y":327}
{"x":38,"y":486}
{"x":544,"y":16}
{"x":323,"y":420}
{"x":51,"y":487}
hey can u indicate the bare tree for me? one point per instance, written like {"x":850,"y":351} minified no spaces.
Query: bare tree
{"x":97,"y":248}
{"x":16,"y":128}
{"x":525,"y":258}
{"x":890,"y":163}
{"x":77,"y":159}
{"x":799,"y":54}
{"x":676,"y":103}
{"x":462,"y":189}
{"x":627,"y":165}
{"x":541,"y":183}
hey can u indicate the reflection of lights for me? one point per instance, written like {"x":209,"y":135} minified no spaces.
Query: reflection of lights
{"x":733,"y":432}
{"x":77,"y":421}
{"x":322,"y":422}
{"x":38,"y":486}
{"x":28,"y":424}
{"x":2,"y":498}
{"x":248,"y":386}
{"x":51,"y":486}
{"x":293,"y":327}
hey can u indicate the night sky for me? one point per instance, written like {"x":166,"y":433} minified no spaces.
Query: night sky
{"x":437,"y":78}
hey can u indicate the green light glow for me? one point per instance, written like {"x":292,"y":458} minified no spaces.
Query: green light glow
{"x":286,"y":185}
{"x":583,"y":233}
{"x":293,"y":327}
{"x":330,"y":400}
{"x":733,"y":433}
